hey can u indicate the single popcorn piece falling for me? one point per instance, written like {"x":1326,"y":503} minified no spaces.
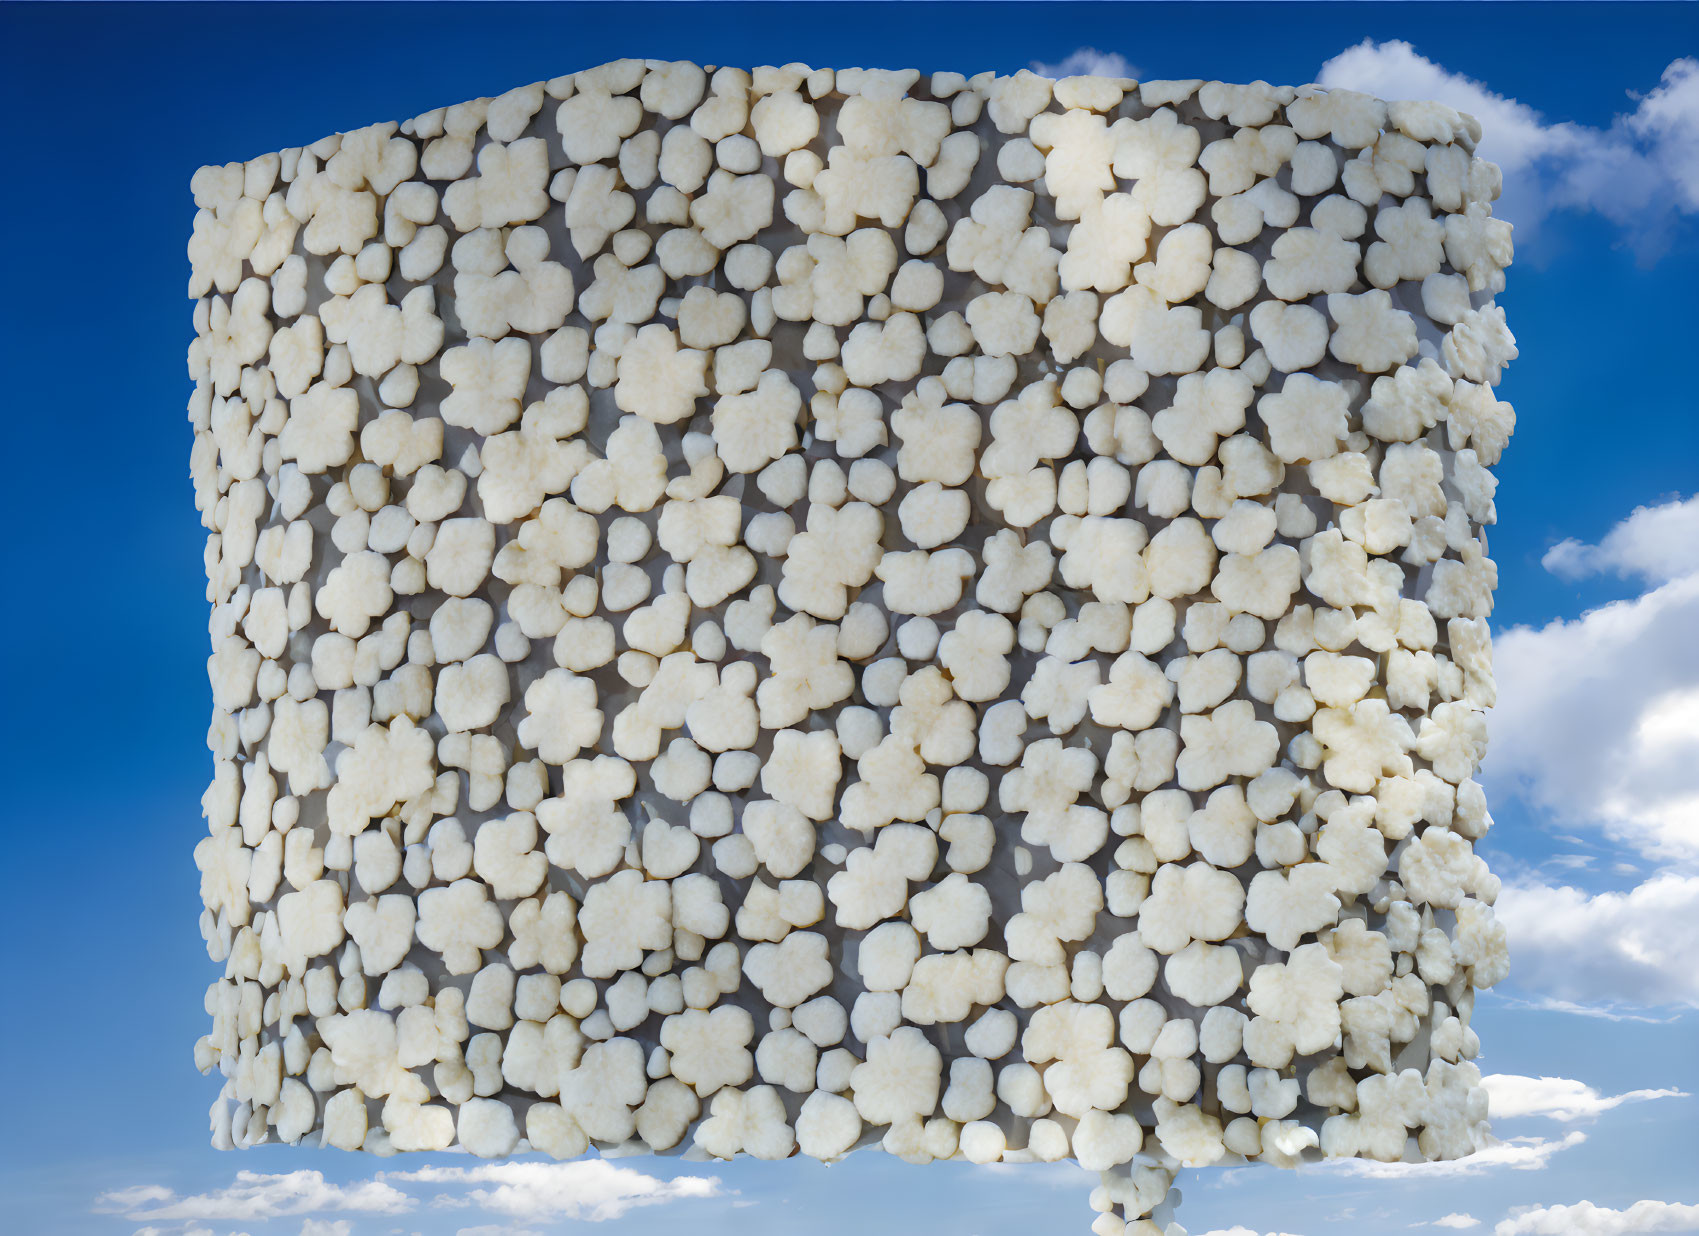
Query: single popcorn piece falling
{"x":786,"y":611}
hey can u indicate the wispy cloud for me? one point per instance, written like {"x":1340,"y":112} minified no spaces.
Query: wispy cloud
{"x":1559,"y":1098}
{"x":1062,"y":1175}
{"x":1520,"y":1154}
{"x":590,"y":1190}
{"x":1087,"y":61}
{"x":1641,"y":172}
{"x":1457,"y":1221}
{"x":1586,"y":1219}
{"x":256,"y":1196}
{"x":1603,"y":1012}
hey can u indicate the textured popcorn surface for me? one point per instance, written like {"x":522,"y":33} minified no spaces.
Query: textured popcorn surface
{"x":780,"y":611}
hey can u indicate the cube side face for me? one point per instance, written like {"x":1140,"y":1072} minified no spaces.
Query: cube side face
{"x":780,"y":611}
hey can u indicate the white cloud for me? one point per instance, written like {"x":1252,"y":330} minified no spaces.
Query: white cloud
{"x":495,"y":1229}
{"x":1669,"y":116}
{"x":257,"y":1196}
{"x":1085,"y":61}
{"x":1640,"y":172}
{"x":1520,"y":1154}
{"x":1560,"y":1098}
{"x":1636,"y":946}
{"x":1593,"y":719}
{"x":1586,"y":1219}
{"x":1655,"y":543}
{"x":1457,"y":1220}
{"x":327,"y":1227}
{"x":591,"y":1189}
{"x":1597,"y":726}
{"x":1241,"y":1231}
{"x":1597,"y":718}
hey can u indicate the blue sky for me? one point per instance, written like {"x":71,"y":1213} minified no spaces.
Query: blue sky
{"x":111,"y":109}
